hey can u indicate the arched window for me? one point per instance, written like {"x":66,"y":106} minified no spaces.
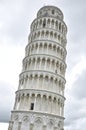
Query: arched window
{"x":52,"y":22}
{"x":44,"y":23}
{"x":56,"y":23}
{"x":48,"y":21}
{"x":55,"y":35}
{"x":53,"y":11}
{"x":40,"y":22}
{"x":59,"y":26}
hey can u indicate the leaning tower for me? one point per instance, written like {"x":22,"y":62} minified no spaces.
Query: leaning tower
{"x":39,"y":102}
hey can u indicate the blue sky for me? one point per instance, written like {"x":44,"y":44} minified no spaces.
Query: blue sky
{"x":15,"y":19}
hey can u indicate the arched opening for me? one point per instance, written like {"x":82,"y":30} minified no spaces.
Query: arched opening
{"x":44,"y":23}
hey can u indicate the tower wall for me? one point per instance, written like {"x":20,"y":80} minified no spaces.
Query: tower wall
{"x":39,"y":102}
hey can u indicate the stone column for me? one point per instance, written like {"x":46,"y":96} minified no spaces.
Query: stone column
{"x":40,"y":64}
{"x":35,"y":64}
{"x":15,"y":102}
{"x":19,"y":125}
{"x":43,"y":83}
{"x":56,"y":128}
{"x":31,"y":126}
{"x":38,"y":49}
{"x":10,"y":125}
{"x":29,"y":101}
{"x":51,"y":105}
{"x":44,"y":127}
{"x":35,"y":104}
{"x":24,"y":102}
{"x":62,"y":112}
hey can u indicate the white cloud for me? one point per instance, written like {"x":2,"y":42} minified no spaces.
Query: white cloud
{"x":75,"y":72}
{"x":3,"y":126}
{"x":10,"y":56}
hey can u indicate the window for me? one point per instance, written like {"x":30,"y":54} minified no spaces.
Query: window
{"x":32,"y":106}
{"x":52,"y":11}
{"x":44,"y":24}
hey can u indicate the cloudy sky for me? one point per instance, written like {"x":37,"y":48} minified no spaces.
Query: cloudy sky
{"x":15,"y":19}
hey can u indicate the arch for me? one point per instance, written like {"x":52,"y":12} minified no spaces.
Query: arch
{"x":47,"y":33}
{"x":54,"y":47}
{"x":56,"y":80}
{"x":36,"y":76}
{"x":53,"y":61}
{"x":50,"y":124}
{"x":33,"y":60}
{"x":52,"y":21}
{"x":22,"y":81}
{"x":46,"y":77}
{"x":59,"y":37}
{"x":43,"y":60}
{"x":58,"y":101}
{"x":38,"y":33}
{"x":40,"y":45}
{"x":45,"y":45}
{"x":50,"y":46}
{"x":42,"y":33}
{"x":56,"y":23}
{"x":22,"y":96}
{"x":54,"y":100}
{"x":33,"y":46}
{"x":29,"y":61}
{"x":25,"y":119}
{"x":44,"y":23}
{"x":60,"y":26}
{"x":48,"y":21}
{"x":26,"y":66}
{"x":53,"y":11}
{"x":35,"y":35}
{"x":41,"y":76}
{"x":51,"y":33}
{"x":33,"y":95}
{"x":60,"y":66}
{"x":18,"y":98}
{"x":37,"y":22}
{"x":35,"y":25}
{"x":51,"y":83}
{"x":25,"y":123}
{"x":40,"y":22}
{"x":35,"y":80}
{"x":26,"y":77}
{"x":15,"y":125}
{"x":48,"y":64}
{"x":59,"y":83}
{"x":39,"y":95}
{"x":27,"y":95}
{"x":55,"y":35}
{"x":32,"y":37}
{"x":51,"y":78}
{"x":58,"y":49}
{"x":50,"y":97}
{"x":44,"y":96}
{"x":38,"y":123}
{"x":30,"y":76}
{"x":48,"y":59}
{"x":61,"y":52}
{"x":36,"y":47}
{"x":38,"y":60}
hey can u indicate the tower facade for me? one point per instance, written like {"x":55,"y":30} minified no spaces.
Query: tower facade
{"x":39,"y":102}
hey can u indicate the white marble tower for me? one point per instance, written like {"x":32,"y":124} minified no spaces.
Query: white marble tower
{"x":39,"y":102}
